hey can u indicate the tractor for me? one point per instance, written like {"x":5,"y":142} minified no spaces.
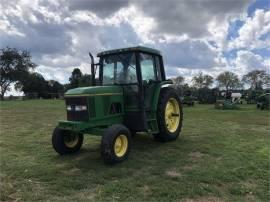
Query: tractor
{"x":263,"y":101}
{"x":132,"y":95}
{"x":227,"y":102}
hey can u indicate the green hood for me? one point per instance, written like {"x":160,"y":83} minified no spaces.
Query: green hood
{"x":95,"y":91}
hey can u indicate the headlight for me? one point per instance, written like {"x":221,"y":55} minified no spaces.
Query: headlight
{"x":80,"y":108}
{"x":76,"y":108}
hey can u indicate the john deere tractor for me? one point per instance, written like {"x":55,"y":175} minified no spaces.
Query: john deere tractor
{"x":132,"y":96}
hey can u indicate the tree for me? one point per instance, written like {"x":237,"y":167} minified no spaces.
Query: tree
{"x":178,"y":80}
{"x":75,"y":78}
{"x":178,"y":83}
{"x":228,"y":80}
{"x":14,"y":67}
{"x":54,"y":88}
{"x":202,"y":81}
{"x":34,"y":83}
{"x":85,"y":80}
{"x":207,"y":96}
{"x":256,"y":79}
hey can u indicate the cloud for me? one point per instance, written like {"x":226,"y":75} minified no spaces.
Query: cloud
{"x":247,"y":61}
{"x":251,"y":32}
{"x":192,"y":35}
{"x":52,"y":73}
{"x":40,"y":29}
{"x":102,"y":8}
{"x":193,"y":54}
{"x":189,"y":17}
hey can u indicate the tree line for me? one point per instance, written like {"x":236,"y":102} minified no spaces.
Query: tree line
{"x":256,"y":81}
{"x":17,"y":69}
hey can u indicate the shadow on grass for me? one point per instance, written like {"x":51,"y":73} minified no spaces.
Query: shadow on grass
{"x":144,"y":148}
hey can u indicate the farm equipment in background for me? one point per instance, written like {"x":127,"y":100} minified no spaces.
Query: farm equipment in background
{"x":133,"y":96}
{"x":252,"y":96}
{"x":263,"y":101}
{"x":188,"y":99}
{"x":228,"y":102}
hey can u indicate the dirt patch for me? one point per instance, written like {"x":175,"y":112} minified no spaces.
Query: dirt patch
{"x":72,"y":171}
{"x":58,"y":165}
{"x":250,"y":197}
{"x":173,"y":173}
{"x":196,"y":155}
{"x":146,"y":190}
{"x":188,"y":167}
{"x":84,"y":195}
{"x":219,"y":158}
{"x":204,"y":199}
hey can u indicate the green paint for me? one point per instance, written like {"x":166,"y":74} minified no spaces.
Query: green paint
{"x":103,"y":100}
{"x":94,"y":90}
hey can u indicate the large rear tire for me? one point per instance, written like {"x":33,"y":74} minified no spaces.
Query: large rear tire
{"x":169,"y":115}
{"x":65,"y":141}
{"x":115,"y":144}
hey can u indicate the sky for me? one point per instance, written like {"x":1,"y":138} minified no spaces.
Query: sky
{"x":209,"y":36}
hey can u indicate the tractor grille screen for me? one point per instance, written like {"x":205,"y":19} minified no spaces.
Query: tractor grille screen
{"x":72,"y":113}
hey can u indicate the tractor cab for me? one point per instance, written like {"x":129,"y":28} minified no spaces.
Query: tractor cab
{"x":129,"y":94}
{"x":139,"y":71}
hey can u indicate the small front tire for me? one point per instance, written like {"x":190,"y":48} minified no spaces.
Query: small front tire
{"x":115,"y":144}
{"x":65,"y":141}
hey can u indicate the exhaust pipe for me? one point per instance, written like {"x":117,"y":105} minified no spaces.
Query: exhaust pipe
{"x":93,"y":69}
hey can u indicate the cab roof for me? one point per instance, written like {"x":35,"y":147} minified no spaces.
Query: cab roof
{"x":136,"y":48}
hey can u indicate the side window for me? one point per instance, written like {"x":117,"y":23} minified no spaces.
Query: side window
{"x":108,"y":77}
{"x":158,"y":68}
{"x":131,"y":70}
{"x":147,"y":67}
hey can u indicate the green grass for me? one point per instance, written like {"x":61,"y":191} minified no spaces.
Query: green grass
{"x":220,"y":156}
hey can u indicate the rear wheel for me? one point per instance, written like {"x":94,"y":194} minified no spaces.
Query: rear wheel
{"x":65,"y":141}
{"x":169,"y":115}
{"x":115,"y":144}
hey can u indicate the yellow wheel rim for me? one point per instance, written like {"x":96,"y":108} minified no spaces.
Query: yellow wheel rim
{"x":172,"y":115}
{"x":71,"y":140}
{"x":120,"y":145}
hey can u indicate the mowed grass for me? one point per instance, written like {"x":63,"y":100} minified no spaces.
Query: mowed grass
{"x":220,"y":156}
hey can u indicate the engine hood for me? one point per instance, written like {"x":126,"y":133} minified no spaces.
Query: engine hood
{"x":94,"y":91}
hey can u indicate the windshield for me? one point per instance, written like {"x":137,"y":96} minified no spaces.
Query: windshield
{"x":119,"y":69}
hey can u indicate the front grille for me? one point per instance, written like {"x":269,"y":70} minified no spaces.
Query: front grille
{"x":73,"y":115}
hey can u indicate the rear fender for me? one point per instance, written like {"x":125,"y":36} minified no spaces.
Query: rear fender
{"x":163,"y":84}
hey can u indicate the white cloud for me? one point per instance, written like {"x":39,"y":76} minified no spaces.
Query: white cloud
{"x":54,"y":73}
{"x":192,"y":35}
{"x":252,"y":30}
{"x":246,"y":61}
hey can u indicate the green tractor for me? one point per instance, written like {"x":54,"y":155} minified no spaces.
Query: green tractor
{"x":133,"y":96}
{"x":263,"y":101}
{"x":227,"y":102}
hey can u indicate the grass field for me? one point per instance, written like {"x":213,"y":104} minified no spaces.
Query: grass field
{"x":220,"y":156}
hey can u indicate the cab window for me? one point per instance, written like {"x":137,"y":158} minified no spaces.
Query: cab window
{"x":119,"y":69}
{"x":147,"y":67}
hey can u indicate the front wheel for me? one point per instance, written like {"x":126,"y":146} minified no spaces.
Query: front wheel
{"x":169,"y":115}
{"x":115,"y":144}
{"x":65,"y":141}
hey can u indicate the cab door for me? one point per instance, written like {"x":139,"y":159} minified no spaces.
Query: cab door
{"x":151,"y":77}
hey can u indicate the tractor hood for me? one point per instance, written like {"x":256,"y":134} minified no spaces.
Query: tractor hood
{"x":94,"y":91}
